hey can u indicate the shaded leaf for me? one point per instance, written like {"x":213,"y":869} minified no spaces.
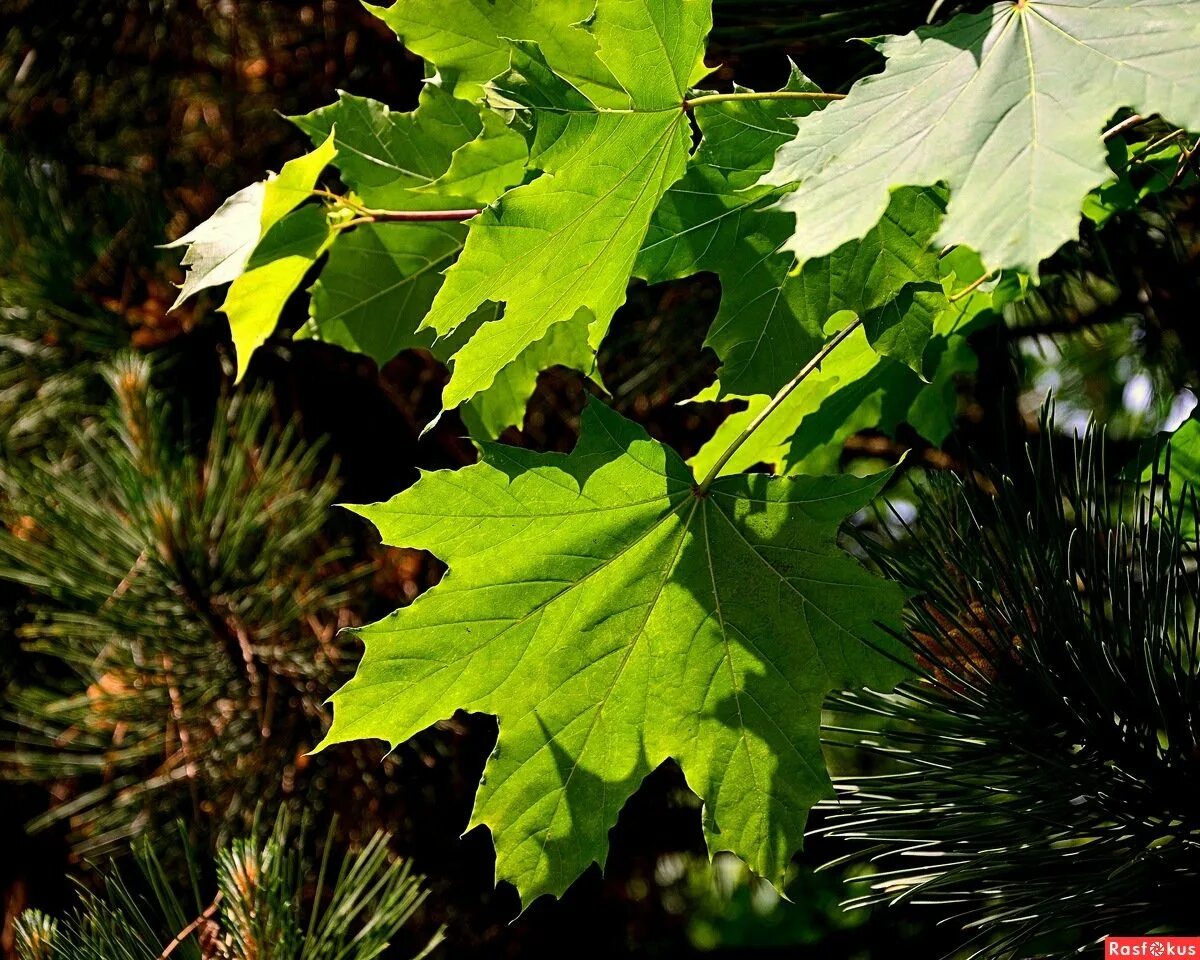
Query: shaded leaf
{"x":857,"y":388}
{"x":382,"y":148}
{"x":502,"y":405}
{"x":770,"y":320}
{"x":482,"y":169}
{"x":377,"y":285}
{"x":467,"y":40}
{"x":380,"y":279}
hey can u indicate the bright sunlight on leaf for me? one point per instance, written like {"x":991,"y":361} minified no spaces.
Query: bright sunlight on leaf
{"x":611,"y":615}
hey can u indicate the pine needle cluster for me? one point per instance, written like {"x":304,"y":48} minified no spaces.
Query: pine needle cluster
{"x":271,"y":903}
{"x":181,"y":633}
{"x":48,"y":328}
{"x":1037,"y":778}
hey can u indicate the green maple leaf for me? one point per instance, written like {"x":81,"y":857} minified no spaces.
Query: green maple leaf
{"x":1180,"y":452}
{"x":467,"y":40}
{"x":487,"y":414}
{"x":275,"y":269}
{"x":1006,"y":108}
{"x":482,"y":169}
{"x":771,"y":319}
{"x":611,"y":617}
{"x":380,"y":279}
{"x":1185,"y":457}
{"x":382,"y":152}
{"x":219,"y":248}
{"x":1140,"y":170}
{"x":249,"y":230}
{"x":567,"y":241}
{"x":377,"y":285}
{"x":843,"y":397}
{"x":858,"y":388}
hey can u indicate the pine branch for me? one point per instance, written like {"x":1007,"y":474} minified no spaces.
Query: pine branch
{"x":181,"y":643}
{"x":265,"y":885}
{"x":1037,"y":773}
{"x":204,"y":917}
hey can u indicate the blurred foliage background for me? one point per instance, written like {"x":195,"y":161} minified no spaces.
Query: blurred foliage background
{"x":172,"y":578}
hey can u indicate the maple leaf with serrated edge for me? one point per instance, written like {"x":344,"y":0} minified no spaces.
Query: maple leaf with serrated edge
{"x":567,"y":240}
{"x":380,"y":279}
{"x":249,"y":230}
{"x":377,"y":284}
{"x":467,"y":41}
{"x":1172,"y":456}
{"x":274,"y":271}
{"x":611,"y":616}
{"x":853,"y":380}
{"x":770,"y":319}
{"x":482,"y":169}
{"x":487,"y":414}
{"x":1006,"y":107}
{"x":381,"y":151}
{"x":858,"y":388}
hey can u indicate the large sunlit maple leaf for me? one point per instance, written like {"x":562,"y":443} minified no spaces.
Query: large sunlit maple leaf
{"x":612,"y":615}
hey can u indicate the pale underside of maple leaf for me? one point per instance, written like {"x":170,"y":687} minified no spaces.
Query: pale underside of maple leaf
{"x":1006,"y":107}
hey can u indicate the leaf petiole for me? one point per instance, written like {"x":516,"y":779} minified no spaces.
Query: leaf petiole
{"x":364,"y":214}
{"x":691,"y":102}
{"x":971,"y":287}
{"x":809,"y":368}
{"x":338,"y":200}
{"x":408,"y":216}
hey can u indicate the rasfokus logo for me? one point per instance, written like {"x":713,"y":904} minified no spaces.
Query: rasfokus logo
{"x":1152,"y":947}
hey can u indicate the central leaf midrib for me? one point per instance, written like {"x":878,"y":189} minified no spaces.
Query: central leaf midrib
{"x":628,"y":655}
{"x":463,"y":662}
{"x":623,"y":551}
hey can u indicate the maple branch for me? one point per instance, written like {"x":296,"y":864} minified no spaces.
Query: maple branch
{"x":1189,"y":161}
{"x":407,"y":216}
{"x":1151,"y":147}
{"x":419,"y":216}
{"x":813,"y":365}
{"x":765,"y":95}
{"x":336,"y":198}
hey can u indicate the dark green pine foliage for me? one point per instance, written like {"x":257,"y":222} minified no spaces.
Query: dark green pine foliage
{"x":1038,"y":776}
{"x":50,"y":332}
{"x":181,"y":618}
{"x":271,"y":902}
